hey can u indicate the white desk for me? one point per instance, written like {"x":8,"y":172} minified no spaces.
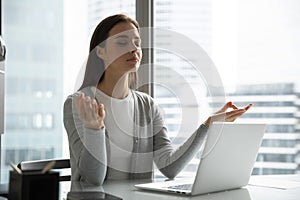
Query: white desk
{"x":126,"y":190}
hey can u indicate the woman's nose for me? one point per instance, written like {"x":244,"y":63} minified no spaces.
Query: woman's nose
{"x":134,"y":47}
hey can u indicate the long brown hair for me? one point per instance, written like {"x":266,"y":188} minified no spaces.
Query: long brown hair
{"x":94,"y":72}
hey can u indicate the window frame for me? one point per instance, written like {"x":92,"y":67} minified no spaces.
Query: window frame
{"x":0,"y":133}
{"x":144,"y":15}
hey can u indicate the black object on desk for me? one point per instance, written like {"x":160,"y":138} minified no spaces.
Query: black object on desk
{"x":90,"y":195}
{"x":33,"y":186}
{"x":36,"y":165}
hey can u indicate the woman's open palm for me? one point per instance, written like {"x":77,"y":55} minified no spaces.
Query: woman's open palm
{"x":228,"y":113}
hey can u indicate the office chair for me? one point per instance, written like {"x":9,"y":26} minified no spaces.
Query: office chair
{"x":38,"y":165}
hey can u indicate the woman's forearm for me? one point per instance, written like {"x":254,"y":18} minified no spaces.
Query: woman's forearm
{"x":93,"y":160}
{"x":172,"y":161}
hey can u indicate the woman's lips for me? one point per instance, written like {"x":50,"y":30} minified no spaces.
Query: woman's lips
{"x":134,"y":59}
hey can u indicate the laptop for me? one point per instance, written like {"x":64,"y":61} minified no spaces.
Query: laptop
{"x":226,"y":162}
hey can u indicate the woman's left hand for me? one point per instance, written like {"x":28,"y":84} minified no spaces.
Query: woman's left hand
{"x":223,"y":115}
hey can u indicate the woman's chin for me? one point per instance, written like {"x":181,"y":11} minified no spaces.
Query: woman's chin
{"x":133,"y":68}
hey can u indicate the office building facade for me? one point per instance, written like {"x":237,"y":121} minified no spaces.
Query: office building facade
{"x":277,"y":105}
{"x":34,"y":81}
{"x":34,"y":38}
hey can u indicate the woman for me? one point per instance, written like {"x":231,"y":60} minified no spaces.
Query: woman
{"x":114,"y":131}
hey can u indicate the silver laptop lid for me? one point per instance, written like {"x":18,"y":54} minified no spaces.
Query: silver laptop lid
{"x":228,"y":156}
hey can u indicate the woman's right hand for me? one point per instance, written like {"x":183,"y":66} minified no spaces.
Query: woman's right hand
{"x":91,"y":114}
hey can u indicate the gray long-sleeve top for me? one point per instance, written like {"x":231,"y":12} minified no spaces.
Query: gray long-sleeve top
{"x":90,"y":151}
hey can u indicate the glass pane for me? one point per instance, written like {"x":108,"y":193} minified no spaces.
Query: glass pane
{"x":256,"y":56}
{"x":33,"y":32}
{"x":180,"y":87}
{"x":46,"y":46}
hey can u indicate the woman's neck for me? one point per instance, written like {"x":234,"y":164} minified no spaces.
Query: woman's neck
{"x":114,"y":87}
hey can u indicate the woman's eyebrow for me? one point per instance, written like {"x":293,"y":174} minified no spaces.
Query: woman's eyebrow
{"x":121,"y":36}
{"x":126,"y":36}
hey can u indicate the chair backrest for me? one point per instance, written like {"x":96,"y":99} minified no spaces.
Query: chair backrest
{"x":38,"y":165}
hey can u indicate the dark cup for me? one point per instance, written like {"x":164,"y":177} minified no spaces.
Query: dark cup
{"x":33,"y":186}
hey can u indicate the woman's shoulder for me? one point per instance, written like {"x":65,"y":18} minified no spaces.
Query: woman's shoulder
{"x":142,"y":95}
{"x":88,"y":91}
{"x":144,"y":98}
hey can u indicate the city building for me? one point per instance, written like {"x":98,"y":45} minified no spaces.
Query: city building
{"x":34,"y":83}
{"x":277,"y":105}
{"x":34,"y":96}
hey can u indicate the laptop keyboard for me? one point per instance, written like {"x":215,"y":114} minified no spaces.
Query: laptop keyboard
{"x":181,"y":187}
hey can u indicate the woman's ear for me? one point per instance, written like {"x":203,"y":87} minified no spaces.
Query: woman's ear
{"x":100,"y":52}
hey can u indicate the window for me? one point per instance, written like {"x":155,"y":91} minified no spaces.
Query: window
{"x":33,"y":32}
{"x":178,"y":82}
{"x":251,"y":51}
{"x":255,"y":54}
{"x":45,"y":52}
{"x":278,"y":143}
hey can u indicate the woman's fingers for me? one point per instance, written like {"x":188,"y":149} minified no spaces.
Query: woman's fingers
{"x":80,"y":106}
{"x":231,"y":105}
{"x":95,"y":108}
{"x":248,"y":106}
{"x":232,"y":115}
{"x":101,"y":111}
{"x":234,"y":106}
{"x":90,"y":112}
{"x":225,"y":107}
{"x":227,"y":116}
{"x":88,"y":108}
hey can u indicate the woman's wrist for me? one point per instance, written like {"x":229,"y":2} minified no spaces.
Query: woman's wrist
{"x":96,"y":125}
{"x":207,"y":122}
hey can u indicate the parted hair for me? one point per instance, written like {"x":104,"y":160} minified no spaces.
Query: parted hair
{"x":95,"y":69}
